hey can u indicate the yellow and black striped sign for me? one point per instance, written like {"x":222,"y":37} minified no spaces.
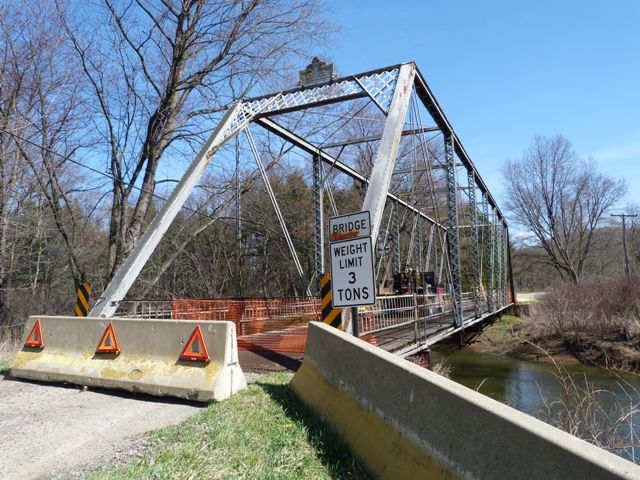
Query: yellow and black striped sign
{"x":82,"y":303}
{"x":330,"y":316}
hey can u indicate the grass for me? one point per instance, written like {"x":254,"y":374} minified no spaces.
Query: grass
{"x":5,"y":361}
{"x":508,"y":320}
{"x":7,"y":352}
{"x":264,"y":432}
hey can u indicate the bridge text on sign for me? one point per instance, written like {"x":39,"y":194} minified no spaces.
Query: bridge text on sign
{"x":353,"y":225}
{"x":352,"y":273}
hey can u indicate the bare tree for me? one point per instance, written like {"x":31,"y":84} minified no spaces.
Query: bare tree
{"x":37,"y":112}
{"x":156,"y":69}
{"x":561,"y":199}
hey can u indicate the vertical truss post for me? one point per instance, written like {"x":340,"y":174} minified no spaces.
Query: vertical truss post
{"x":510,"y":269}
{"x":487,"y":264}
{"x":413,"y":241}
{"x":396,"y":241}
{"x":441,"y":257}
{"x":429,"y":247}
{"x":500,"y":256}
{"x":238,"y":199}
{"x":385,"y":158}
{"x":418,"y":245}
{"x":318,"y":217}
{"x":363,"y":190}
{"x":475,"y":263}
{"x":492,"y":275}
{"x":505,"y":249}
{"x":383,"y":242}
{"x":452,"y":229}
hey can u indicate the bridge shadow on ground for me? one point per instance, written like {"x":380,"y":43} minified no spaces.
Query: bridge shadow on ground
{"x":330,"y":448}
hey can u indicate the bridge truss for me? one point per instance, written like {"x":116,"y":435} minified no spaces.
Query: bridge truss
{"x":387,"y":133}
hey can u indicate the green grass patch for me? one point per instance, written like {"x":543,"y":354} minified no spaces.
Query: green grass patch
{"x":264,"y":432}
{"x":509,"y":319}
{"x":5,"y":361}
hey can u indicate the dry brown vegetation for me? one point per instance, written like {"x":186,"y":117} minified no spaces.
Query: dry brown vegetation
{"x":597,"y":321}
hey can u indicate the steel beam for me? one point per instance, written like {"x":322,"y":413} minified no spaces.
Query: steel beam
{"x":385,"y":158}
{"x":475,"y":261}
{"x":503,"y":265}
{"x":334,"y":163}
{"x":373,"y":138}
{"x":487,"y":263}
{"x":492,"y":261}
{"x":396,"y":241}
{"x":433,"y":107}
{"x":429,"y":249}
{"x":499,"y":257}
{"x":318,"y":217}
{"x":452,"y":229}
{"x":137,"y":258}
{"x":376,"y":83}
{"x":510,"y":270}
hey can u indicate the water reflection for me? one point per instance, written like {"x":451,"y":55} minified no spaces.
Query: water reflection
{"x":527,"y":385}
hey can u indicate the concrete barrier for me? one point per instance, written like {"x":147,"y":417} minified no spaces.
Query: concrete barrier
{"x":149,"y":359}
{"x":404,"y":421}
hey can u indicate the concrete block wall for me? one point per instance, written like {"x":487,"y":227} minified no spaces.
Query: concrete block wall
{"x":148,"y":360}
{"x":406,"y":422}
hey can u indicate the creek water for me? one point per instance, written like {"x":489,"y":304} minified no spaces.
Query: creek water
{"x":526,"y":386}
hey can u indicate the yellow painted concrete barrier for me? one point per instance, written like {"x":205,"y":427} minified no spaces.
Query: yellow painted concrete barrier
{"x":196,"y":360}
{"x":405,"y":422}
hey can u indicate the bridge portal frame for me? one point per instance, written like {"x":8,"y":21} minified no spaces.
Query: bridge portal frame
{"x":391,"y":89}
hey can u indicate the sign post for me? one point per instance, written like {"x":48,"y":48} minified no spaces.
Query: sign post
{"x":352,"y":272}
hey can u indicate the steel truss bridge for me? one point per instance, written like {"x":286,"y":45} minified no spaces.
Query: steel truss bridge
{"x":430,"y":208}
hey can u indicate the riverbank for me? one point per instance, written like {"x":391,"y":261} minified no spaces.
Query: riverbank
{"x":523,"y":339}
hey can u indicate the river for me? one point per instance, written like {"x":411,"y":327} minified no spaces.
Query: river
{"x":526,"y":386}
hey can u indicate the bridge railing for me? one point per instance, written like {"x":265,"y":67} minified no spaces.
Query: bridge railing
{"x":410,"y":318}
{"x":144,"y":309}
{"x":392,"y":311}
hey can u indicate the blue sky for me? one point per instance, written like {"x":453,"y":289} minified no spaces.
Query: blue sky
{"x":507,"y":71}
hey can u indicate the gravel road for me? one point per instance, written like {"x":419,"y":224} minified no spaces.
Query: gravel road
{"x":56,"y":431}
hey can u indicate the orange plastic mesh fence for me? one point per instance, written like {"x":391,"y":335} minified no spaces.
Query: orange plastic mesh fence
{"x":274,"y":324}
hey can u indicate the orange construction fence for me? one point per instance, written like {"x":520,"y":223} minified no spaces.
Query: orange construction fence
{"x":278,"y":325}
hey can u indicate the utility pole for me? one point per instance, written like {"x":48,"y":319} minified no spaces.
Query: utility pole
{"x":624,"y":217}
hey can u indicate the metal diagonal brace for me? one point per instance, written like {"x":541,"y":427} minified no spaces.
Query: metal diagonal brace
{"x":276,"y":208}
{"x":385,"y":158}
{"x":121,"y":282}
{"x":336,"y":164}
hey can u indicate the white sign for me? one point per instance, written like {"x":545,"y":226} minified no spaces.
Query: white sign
{"x":353,"y":225}
{"x":352,"y":280}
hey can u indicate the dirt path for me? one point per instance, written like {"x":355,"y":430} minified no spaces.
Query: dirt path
{"x":54,"y":431}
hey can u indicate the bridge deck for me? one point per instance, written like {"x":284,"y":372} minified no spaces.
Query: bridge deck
{"x":412,"y":338}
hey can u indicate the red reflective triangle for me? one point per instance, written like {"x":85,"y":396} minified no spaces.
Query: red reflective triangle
{"x":35,"y":337}
{"x":196,"y":348}
{"x":108,"y":342}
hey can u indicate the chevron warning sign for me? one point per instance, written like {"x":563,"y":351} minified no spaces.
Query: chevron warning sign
{"x":330,"y":316}
{"x":82,"y":303}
